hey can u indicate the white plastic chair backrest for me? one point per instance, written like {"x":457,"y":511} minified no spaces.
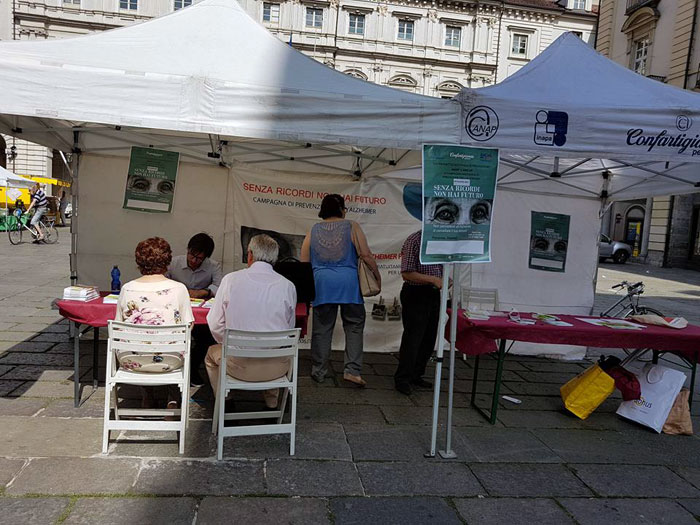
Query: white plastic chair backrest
{"x":242,"y":343}
{"x":480,"y":298}
{"x":146,"y":338}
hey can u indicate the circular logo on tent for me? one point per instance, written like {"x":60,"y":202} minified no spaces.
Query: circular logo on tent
{"x":481,"y":123}
{"x":683,"y":122}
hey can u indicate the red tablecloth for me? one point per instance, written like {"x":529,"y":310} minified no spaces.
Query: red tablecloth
{"x":476,"y":337}
{"x":96,"y":313}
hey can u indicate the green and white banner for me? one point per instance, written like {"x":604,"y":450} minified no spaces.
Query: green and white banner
{"x":459,"y":186}
{"x":150,"y":183}
{"x":549,"y":241}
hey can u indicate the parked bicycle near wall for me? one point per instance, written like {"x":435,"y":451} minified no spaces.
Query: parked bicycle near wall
{"x":629,"y":304}
{"x":45,"y":225}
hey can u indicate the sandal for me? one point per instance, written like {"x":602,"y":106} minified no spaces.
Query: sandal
{"x":379,"y":310}
{"x":394,"y":312}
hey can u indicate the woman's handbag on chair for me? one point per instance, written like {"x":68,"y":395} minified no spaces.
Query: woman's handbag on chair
{"x":369,"y":286}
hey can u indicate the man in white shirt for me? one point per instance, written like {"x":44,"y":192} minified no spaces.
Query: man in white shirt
{"x":255,"y":299}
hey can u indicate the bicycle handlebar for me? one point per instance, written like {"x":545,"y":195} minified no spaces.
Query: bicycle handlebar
{"x":630,"y":287}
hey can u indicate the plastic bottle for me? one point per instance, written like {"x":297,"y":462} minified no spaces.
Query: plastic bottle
{"x":116,"y":283}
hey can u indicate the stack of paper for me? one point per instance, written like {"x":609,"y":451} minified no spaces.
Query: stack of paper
{"x":80,"y":293}
{"x":112,"y":298}
{"x":196,"y":302}
{"x":477,"y":315}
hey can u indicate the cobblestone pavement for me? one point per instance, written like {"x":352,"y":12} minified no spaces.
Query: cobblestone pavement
{"x":359,"y":452}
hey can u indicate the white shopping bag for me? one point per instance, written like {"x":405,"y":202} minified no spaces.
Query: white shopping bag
{"x":660,"y":386}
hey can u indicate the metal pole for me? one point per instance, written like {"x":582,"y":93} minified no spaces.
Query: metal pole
{"x":438,"y":367}
{"x":75,"y":168}
{"x":448,"y":453}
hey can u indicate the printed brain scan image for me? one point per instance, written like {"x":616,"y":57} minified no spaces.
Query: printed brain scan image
{"x":441,"y":210}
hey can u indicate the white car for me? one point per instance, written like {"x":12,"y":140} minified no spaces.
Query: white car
{"x":619,"y":251}
{"x":69,"y":210}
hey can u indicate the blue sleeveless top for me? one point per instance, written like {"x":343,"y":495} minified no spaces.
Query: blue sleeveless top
{"x":334,"y":262}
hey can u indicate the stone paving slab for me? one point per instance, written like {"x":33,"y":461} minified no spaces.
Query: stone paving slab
{"x":291,"y":477}
{"x":127,"y":511}
{"x":20,"y":407}
{"x":38,"y":359}
{"x":16,"y":336}
{"x":37,"y":437}
{"x":344,"y":396}
{"x":313,"y":441}
{"x":511,"y":511}
{"x":74,"y":476}
{"x":37,"y":373}
{"x":409,"y":478}
{"x":185,"y":477}
{"x":529,"y":480}
{"x":7,"y":387}
{"x":45,"y":389}
{"x":351,"y":414}
{"x":493,"y":444}
{"x":199,"y":442}
{"x":589,"y":511}
{"x":634,"y":481}
{"x":692,"y":506}
{"x":32,"y":510}
{"x":30,"y":346}
{"x":263,"y":511}
{"x":393,"y":511}
{"x":423,"y":416}
{"x":389,"y":443}
{"x":9,"y":469}
{"x":690,"y":474}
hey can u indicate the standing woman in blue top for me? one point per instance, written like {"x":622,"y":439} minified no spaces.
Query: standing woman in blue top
{"x":333,"y":247}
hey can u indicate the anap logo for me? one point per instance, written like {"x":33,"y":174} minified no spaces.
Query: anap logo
{"x":481,"y":123}
{"x":551,"y":128}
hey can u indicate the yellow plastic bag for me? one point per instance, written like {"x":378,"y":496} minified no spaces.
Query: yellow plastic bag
{"x":585,"y":392}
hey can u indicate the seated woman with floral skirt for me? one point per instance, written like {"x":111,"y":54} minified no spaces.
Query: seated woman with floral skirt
{"x":153,"y":300}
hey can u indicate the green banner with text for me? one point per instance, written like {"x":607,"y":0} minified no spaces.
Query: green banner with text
{"x":150,"y":183}
{"x":549,"y":241}
{"x":459,"y":186}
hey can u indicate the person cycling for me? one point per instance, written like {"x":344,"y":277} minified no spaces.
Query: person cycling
{"x":40,"y":204}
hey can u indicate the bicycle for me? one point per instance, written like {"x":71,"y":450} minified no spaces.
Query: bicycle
{"x":629,"y":304}
{"x":46,"y":226}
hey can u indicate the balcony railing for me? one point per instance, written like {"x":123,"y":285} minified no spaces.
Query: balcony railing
{"x":633,"y":5}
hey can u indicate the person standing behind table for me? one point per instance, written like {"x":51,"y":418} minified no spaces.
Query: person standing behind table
{"x":62,"y":205}
{"x":40,"y":204}
{"x":420,"y":303}
{"x":256,"y":299}
{"x":202,"y":277}
{"x":332,"y":246}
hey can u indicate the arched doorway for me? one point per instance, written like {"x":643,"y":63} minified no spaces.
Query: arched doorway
{"x":634,"y":224}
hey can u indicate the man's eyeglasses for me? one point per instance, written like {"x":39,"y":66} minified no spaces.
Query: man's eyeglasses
{"x":197,"y":256}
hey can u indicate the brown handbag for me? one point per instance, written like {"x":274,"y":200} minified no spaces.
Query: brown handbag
{"x":369,"y":286}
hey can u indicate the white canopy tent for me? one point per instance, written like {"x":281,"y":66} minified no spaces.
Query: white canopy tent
{"x":10,"y":180}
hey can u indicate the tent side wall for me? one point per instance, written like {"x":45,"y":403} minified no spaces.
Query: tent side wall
{"x":108,"y":234}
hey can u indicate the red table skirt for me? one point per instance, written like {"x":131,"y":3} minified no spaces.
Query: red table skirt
{"x":96,"y":313}
{"x":475,"y":337}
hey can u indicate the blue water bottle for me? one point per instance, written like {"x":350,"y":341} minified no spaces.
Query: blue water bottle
{"x":116,"y":283}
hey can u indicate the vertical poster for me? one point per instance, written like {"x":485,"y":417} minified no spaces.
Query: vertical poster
{"x":150,"y":182}
{"x":549,"y":241}
{"x":459,"y":186}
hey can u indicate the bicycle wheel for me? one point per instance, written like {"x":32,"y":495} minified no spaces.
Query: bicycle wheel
{"x":50,"y":233}
{"x":15,"y":233}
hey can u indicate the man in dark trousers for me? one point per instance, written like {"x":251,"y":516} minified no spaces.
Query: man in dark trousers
{"x":202,"y":277}
{"x":420,"y":302}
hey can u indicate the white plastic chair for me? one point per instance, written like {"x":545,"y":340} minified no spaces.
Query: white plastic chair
{"x":259,"y":345}
{"x":479,"y":298}
{"x":146,"y":340}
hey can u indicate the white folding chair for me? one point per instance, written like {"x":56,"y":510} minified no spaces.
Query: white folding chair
{"x":479,"y":298}
{"x":260,"y":345}
{"x":146,"y":340}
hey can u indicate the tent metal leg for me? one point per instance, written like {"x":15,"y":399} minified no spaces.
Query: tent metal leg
{"x":438,"y":367}
{"x":475,"y":377}
{"x":491,"y":417}
{"x":448,"y":453}
{"x":95,"y":356}
{"x":76,"y":363}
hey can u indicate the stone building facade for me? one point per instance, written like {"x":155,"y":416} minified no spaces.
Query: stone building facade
{"x":658,"y":39}
{"x":434,"y":47}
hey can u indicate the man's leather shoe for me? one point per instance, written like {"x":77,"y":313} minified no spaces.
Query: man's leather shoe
{"x":422,"y":383}
{"x":357,"y":380}
{"x":404,"y":388}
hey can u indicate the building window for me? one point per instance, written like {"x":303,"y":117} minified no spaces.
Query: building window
{"x":131,"y":5}
{"x":271,"y":13}
{"x":404,"y":82}
{"x":580,"y":4}
{"x":519,"y":48}
{"x":180,"y":4}
{"x":405,"y":30}
{"x":453,"y":36}
{"x":73,"y":2}
{"x":641,"y":50}
{"x":314,"y":17}
{"x":357,"y":25}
